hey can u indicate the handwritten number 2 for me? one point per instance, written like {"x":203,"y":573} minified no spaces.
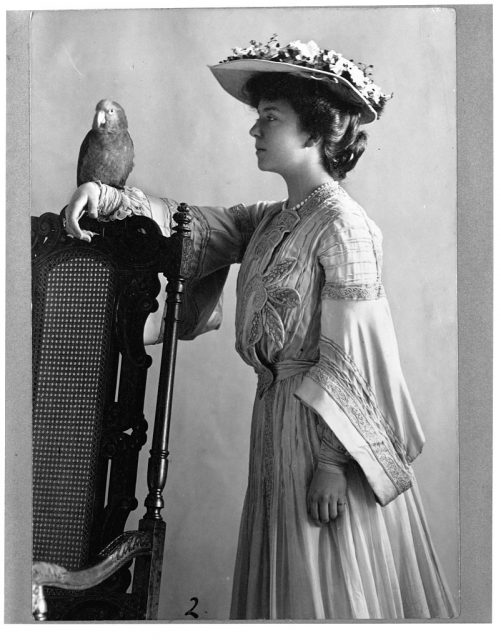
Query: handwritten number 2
{"x":191,"y":612}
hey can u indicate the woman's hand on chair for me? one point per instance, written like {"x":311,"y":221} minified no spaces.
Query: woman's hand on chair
{"x":84,"y":200}
{"x":326,"y":498}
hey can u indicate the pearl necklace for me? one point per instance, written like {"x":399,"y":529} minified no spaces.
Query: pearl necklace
{"x":298,"y":206}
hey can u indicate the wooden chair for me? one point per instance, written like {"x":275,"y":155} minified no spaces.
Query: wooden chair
{"x":90,"y":304}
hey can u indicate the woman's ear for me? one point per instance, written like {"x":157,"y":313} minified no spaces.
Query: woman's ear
{"x":313,"y":141}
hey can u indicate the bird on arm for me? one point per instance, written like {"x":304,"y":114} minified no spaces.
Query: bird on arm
{"x":107,"y":151}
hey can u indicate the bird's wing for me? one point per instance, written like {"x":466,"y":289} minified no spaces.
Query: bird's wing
{"x":130,"y":164}
{"x":82,"y":156}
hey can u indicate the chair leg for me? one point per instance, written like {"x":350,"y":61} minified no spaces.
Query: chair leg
{"x":148,"y":569}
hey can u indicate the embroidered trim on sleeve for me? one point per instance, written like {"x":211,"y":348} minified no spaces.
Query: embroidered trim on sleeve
{"x":372,"y":291}
{"x":359,"y":404}
{"x":345,"y":369}
{"x":242,"y":221}
{"x":202,"y":234}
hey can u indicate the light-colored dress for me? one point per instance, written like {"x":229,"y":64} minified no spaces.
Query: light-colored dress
{"x":313,"y":321}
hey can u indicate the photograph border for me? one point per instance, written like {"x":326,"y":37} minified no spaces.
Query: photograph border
{"x":475,"y":315}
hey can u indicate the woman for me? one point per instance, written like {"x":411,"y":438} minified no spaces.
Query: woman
{"x":332,"y":525}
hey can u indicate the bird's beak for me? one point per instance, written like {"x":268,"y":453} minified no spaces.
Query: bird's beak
{"x":101,"y":119}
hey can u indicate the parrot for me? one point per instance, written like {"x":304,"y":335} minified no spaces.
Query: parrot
{"x":107,"y":151}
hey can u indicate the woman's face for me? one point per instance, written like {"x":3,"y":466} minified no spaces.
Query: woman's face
{"x":279,"y":140}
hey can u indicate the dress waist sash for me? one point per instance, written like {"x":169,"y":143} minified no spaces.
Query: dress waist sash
{"x":280,"y":371}
{"x":288,"y":368}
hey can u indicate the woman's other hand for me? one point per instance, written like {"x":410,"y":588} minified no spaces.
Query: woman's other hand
{"x":84,"y":200}
{"x":326,"y":495}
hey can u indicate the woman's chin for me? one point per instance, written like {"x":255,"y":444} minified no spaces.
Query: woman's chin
{"x":263,"y":166}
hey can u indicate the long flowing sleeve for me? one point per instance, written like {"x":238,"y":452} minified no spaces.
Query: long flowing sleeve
{"x":219,"y":239}
{"x":357,"y":386}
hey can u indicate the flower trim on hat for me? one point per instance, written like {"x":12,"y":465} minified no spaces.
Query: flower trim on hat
{"x":311,"y":56}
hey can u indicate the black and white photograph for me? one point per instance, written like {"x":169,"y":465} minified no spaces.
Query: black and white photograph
{"x":247,"y":373}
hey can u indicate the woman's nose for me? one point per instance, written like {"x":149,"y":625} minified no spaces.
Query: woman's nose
{"x":254,"y":130}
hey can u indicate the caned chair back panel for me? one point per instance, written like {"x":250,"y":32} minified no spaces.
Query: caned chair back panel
{"x":74,"y":375}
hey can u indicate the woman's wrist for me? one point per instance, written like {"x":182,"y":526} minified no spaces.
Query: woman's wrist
{"x":332,"y":467}
{"x":110,"y":200}
{"x":117,"y":204}
{"x":332,"y":456}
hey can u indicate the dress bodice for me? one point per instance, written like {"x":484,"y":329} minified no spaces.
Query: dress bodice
{"x":289,"y":258}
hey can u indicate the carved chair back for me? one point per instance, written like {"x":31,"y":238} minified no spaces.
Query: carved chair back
{"x":89,"y":304}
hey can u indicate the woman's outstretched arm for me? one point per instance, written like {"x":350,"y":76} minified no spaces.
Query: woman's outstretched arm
{"x":219,"y":235}
{"x":106,"y":203}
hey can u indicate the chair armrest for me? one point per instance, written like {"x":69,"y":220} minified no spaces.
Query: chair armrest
{"x":127,"y":546}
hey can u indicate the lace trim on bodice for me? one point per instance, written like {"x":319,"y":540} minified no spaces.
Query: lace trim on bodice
{"x":281,"y":224}
{"x":264,"y":294}
{"x":288,"y":218}
{"x":318,"y":197}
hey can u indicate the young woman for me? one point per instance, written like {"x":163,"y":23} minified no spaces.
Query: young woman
{"x":332,"y":525}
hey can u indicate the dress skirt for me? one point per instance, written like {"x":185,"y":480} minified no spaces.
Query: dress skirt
{"x":372,"y":562}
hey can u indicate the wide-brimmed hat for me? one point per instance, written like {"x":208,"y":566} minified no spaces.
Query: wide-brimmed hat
{"x":351,"y":83}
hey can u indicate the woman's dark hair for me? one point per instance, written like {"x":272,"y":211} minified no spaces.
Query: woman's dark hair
{"x":321,"y":114}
